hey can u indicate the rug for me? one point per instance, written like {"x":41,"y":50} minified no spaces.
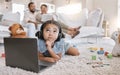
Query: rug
{"x":75,"y":65}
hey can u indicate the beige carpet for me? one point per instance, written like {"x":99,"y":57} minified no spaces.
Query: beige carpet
{"x":76,"y":65}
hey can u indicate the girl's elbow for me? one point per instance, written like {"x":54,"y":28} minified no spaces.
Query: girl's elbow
{"x":54,"y":60}
{"x":57,"y":59}
{"x":78,"y":53}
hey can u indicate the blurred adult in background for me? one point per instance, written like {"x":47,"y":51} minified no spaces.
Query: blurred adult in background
{"x":30,"y":20}
{"x":66,"y":29}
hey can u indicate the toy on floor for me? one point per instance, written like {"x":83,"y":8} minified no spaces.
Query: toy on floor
{"x":100,"y":58}
{"x":101,"y":51}
{"x":3,"y":55}
{"x":92,"y":49}
{"x":106,"y":53}
{"x":97,"y":64}
{"x":94,"y":66}
{"x":17,"y":31}
{"x":116,"y":49}
{"x":100,"y":65}
{"x":109,"y":55}
{"x":93,"y":57}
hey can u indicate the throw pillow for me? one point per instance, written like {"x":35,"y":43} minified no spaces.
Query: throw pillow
{"x":94,"y":18}
{"x":10,"y":18}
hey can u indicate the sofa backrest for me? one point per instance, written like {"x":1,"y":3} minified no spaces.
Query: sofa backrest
{"x":9,"y":18}
{"x":95,"y":18}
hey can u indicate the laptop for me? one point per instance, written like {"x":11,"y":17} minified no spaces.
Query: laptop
{"x":22,"y":53}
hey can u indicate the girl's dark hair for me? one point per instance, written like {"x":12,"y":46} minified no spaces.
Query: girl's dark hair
{"x":39,"y":34}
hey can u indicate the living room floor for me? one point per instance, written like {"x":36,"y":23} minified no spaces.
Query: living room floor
{"x":1,"y":47}
{"x":76,"y":65}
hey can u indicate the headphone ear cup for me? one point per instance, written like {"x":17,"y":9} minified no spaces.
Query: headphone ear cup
{"x":59,"y":36}
{"x":38,"y":34}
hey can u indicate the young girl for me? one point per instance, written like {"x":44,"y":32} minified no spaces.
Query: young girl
{"x":51,"y":44}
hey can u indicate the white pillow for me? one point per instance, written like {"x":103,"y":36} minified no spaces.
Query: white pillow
{"x":94,"y":18}
{"x":10,"y":18}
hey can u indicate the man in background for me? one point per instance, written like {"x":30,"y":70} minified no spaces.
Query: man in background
{"x":30,"y":20}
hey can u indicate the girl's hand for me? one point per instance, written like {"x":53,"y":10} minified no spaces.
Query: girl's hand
{"x":49,"y":44}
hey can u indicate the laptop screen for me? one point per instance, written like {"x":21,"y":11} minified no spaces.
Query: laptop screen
{"x":22,"y":53}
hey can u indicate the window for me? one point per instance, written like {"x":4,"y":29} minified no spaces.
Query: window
{"x":18,"y":8}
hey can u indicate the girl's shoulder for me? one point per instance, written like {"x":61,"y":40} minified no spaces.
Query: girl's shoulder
{"x":41,"y":45}
{"x":60,"y":42}
{"x":41,"y":41}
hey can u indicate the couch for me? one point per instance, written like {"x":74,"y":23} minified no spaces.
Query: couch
{"x":91,"y":22}
{"x":7,"y":19}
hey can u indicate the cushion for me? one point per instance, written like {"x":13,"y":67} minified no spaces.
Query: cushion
{"x":94,"y":18}
{"x":10,"y":18}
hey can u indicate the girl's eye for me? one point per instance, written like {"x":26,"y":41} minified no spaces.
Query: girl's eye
{"x":47,"y":30}
{"x":54,"y":31}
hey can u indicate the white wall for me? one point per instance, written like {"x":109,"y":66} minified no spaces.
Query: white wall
{"x":119,"y":13}
{"x":7,"y":6}
{"x":38,"y":2}
{"x":59,"y":3}
{"x":109,"y":8}
{"x":3,"y":4}
{"x":25,"y":2}
{"x":85,"y":3}
{"x":89,"y":4}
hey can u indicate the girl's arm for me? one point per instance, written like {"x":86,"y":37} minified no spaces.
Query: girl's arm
{"x":73,"y":51}
{"x":48,"y":59}
{"x":52,"y":53}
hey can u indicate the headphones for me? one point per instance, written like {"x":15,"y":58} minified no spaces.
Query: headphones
{"x":39,"y":34}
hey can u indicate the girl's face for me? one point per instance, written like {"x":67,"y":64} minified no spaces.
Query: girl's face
{"x":50,"y":32}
